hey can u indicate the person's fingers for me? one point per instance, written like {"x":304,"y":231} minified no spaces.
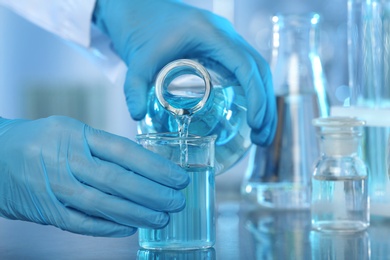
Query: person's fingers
{"x":113,"y":179}
{"x":265,"y":134}
{"x":144,"y":66}
{"x":254,"y":75}
{"x":237,"y":59}
{"x":133,"y":157}
{"x":136,"y":90}
{"x":93,"y":202}
{"x":144,"y":63}
{"x":245,"y":69}
{"x":253,"y":86}
{"x":80,"y":223}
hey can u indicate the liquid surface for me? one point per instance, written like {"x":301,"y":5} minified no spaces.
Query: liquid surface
{"x":340,"y":204}
{"x":193,"y":227}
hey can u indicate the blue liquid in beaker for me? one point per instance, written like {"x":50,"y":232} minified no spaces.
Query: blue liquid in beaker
{"x":194,"y":226}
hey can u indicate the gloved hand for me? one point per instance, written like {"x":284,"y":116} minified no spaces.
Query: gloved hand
{"x":148,"y":34}
{"x":61,"y":172}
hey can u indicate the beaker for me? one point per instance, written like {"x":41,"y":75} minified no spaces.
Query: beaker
{"x":194,"y":226}
{"x":279,"y":176}
{"x":340,"y":200}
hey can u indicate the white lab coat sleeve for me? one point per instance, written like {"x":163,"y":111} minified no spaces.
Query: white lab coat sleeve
{"x":72,"y":21}
{"x":69,"y":19}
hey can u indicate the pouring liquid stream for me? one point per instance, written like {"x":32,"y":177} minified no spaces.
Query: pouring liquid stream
{"x":183,"y":123}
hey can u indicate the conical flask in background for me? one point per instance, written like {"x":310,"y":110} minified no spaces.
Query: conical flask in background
{"x":279,"y":176}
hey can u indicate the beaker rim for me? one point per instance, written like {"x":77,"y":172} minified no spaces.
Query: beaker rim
{"x":174,"y":136}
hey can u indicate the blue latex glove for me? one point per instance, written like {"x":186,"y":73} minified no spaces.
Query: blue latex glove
{"x":61,"y":172}
{"x":148,"y":34}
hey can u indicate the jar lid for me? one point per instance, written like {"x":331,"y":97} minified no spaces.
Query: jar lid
{"x":340,"y":135}
{"x":338,"y":121}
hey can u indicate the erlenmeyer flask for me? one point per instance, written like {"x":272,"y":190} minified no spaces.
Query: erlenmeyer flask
{"x":279,"y":176}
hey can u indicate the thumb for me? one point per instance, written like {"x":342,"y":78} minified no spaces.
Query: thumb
{"x":136,"y":91}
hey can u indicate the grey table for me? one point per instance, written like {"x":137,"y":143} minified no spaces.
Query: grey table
{"x":242,"y":233}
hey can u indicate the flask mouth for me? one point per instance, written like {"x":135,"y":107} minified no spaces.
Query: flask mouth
{"x":183,"y":87}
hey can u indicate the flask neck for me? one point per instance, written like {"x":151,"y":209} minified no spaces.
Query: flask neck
{"x":295,"y":34}
{"x":295,"y":63}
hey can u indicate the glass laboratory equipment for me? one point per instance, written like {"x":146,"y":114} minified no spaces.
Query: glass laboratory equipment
{"x":369,"y":75}
{"x":369,"y":53}
{"x":194,"y":226}
{"x":213,"y":100}
{"x":279,"y":176}
{"x":339,"y":186}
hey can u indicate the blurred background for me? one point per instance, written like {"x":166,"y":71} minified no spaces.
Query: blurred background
{"x":42,"y":75}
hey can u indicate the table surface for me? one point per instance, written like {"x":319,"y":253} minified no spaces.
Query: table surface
{"x":242,"y":233}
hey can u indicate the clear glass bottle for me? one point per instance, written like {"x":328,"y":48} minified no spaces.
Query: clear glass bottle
{"x":212,"y":98}
{"x":279,"y":176}
{"x":339,"y":186}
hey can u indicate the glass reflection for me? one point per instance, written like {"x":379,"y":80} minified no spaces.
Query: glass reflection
{"x":340,"y":246}
{"x":379,"y":231}
{"x":280,"y":234}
